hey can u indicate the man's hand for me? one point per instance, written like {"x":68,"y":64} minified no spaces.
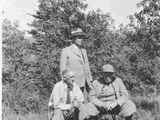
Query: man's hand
{"x":90,"y":84}
{"x":121,"y":100}
{"x":116,"y":109}
{"x":51,"y":107}
{"x":65,"y":106}
{"x":76,"y":103}
{"x":98,"y":102}
{"x":111,"y":105}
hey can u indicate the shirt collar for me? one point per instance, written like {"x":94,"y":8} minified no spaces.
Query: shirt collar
{"x":75,"y":46}
{"x":66,"y":84}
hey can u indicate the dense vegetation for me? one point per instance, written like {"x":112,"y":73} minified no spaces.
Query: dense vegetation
{"x":31,"y":65}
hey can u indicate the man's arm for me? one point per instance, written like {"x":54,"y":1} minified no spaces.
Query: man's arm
{"x":79,"y":97}
{"x":94,"y":99}
{"x":53,"y":101}
{"x":56,"y":101}
{"x":79,"y":94}
{"x":122,"y":89}
{"x":63,"y":60}
{"x":123,"y":92}
{"x":88,"y":70}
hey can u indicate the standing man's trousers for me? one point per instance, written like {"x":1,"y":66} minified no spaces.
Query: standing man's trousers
{"x":85,"y":90}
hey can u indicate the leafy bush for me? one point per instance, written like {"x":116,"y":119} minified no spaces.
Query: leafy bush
{"x":31,"y":66}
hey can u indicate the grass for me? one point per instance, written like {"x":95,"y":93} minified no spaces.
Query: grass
{"x":148,"y":109}
{"x":142,"y":115}
{"x":30,"y":116}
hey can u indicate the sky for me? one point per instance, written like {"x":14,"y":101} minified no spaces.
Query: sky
{"x":20,"y":9}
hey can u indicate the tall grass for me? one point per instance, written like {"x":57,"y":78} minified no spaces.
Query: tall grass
{"x":29,"y":116}
{"x":147,"y":109}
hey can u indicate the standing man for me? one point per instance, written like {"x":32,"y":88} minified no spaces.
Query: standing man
{"x":65,"y":99}
{"x":75,"y":59}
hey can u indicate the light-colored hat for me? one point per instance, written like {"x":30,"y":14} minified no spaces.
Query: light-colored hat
{"x":108,"y":68}
{"x":78,"y":33}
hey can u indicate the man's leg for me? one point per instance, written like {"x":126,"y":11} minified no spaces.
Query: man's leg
{"x":128,"y":109}
{"x":72,"y":114}
{"x":58,"y":115}
{"x":85,"y":93}
{"x":87,"y":110}
{"x":82,"y":89}
{"x":129,"y":117}
{"x":75,"y":114}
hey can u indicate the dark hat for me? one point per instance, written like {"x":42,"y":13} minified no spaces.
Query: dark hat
{"x":78,"y":33}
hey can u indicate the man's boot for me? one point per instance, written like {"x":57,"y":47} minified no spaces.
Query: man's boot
{"x":129,"y":117}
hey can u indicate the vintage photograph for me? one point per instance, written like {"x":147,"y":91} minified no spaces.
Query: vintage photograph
{"x":80,"y":59}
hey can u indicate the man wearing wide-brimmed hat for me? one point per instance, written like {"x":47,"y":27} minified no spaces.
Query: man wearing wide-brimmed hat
{"x":75,"y":59}
{"x":109,"y":95}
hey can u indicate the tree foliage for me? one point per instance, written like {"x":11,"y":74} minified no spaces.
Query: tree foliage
{"x":52,"y":30}
{"x":142,"y":45}
{"x":31,"y":66}
{"x":19,"y":87}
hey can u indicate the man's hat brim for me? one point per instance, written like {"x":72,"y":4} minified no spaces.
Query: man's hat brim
{"x":105,"y":71}
{"x":78,"y":35}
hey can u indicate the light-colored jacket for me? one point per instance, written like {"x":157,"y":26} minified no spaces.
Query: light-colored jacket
{"x":58,"y":96}
{"x":72,"y":59}
{"x":108,"y":93}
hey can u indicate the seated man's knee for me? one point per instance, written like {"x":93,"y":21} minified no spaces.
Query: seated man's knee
{"x":58,"y":111}
{"x":128,"y":108}
{"x":71,"y":114}
{"x":58,"y":115}
{"x":131,"y":105}
{"x":87,"y":111}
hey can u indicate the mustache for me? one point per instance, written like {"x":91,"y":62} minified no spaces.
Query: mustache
{"x":70,"y":86}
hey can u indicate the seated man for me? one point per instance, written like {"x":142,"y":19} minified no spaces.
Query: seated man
{"x":66,"y":98}
{"x":110,"y":96}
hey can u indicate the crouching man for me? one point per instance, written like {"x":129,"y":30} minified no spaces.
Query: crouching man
{"x":65,"y":99}
{"x":110,"y":96}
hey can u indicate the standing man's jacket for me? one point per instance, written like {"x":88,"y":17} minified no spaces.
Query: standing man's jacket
{"x":76,"y":60}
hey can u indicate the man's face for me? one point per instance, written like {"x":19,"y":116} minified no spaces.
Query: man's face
{"x":79,"y":41}
{"x":108,"y":77}
{"x":69,"y":80}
